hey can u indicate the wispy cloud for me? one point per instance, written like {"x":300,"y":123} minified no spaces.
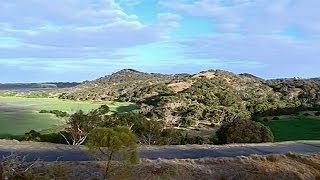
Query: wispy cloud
{"x":89,"y":38}
{"x":60,"y":29}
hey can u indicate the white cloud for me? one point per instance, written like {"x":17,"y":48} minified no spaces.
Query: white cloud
{"x":254,"y":16}
{"x":276,"y":56}
{"x":87,"y":28}
{"x":255,"y":31}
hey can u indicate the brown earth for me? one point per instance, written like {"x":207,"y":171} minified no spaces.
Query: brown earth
{"x":286,"y":166}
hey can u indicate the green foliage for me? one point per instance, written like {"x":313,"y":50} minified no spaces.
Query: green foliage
{"x":317,"y":113}
{"x":275,"y":118}
{"x":244,"y":131}
{"x":125,"y":85}
{"x":103,"y":109}
{"x":215,"y":95}
{"x":214,"y":140}
{"x":56,"y":112}
{"x":112,"y":141}
{"x":147,"y":131}
{"x":187,"y":122}
{"x":170,"y":136}
{"x":46,"y":137}
{"x":32,"y":136}
{"x":188,"y":139}
{"x":53,"y":138}
{"x":80,"y":124}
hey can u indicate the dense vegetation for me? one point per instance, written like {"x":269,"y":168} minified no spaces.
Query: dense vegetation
{"x":171,"y":103}
{"x":58,"y":113}
{"x":215,"y":96}
{"x":125,"y":85}
{"x":244,"y":131}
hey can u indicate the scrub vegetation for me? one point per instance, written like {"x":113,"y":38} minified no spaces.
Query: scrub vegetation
{"x":173,"y":109}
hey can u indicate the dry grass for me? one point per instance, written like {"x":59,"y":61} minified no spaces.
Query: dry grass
{"x":206,"y":74}
{"x":180,"y":86}
{"x":288,"y":166}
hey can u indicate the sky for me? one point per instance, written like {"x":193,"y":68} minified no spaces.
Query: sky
{"x":72,"y":40}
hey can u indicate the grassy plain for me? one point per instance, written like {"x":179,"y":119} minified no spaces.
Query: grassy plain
{"x":295,"y":128}
{"x":19,"y":115}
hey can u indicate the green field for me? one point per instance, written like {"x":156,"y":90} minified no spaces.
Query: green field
{"x":19,"y":115}
{"x":298,"y":128}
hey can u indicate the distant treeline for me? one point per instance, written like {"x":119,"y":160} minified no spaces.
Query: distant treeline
{"x":9,"y":86}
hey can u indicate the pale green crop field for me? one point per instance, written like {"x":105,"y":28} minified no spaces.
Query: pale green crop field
{"x":19,"y":115}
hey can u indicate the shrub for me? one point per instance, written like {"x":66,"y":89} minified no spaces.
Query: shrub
{"x":317,"y":113}
{"x":197,"y":140}
{"x":214,"y":140}
{"x":265,"y":120}
{"x":276,"y":118}
{"x":114,"y":141}
{"x":187,"y":122}
{"x":103,"y":109}
{"x":147,"y":131}
{"x":55,"y":112}
{"x":170,"y":136}
{"x":52,"y":138}
{"x":32,"y":136}
{"x":273,"y":158}
{"x":244,"y":131}
{"x":16,"y":167}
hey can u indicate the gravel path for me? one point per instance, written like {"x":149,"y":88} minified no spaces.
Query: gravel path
{"x":53,"y":152}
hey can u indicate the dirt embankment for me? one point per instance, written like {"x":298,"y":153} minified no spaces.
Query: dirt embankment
{"x":288,"y":166}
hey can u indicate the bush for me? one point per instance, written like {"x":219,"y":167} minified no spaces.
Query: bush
{"x":170,"y":136}
{"x":32,"y":136}
{"x":197,"y":140}
{"x":147,"y":131}
{"x":276,"y":118}
{"x":103,"y":109}
{"x":244,"y":131}
{"x":187,"y":122}
{"x":114,"y":141}
{"x":52,"y":138}
{"x":56,"y":112}
{"x":317,"y":113}
{"x":273,"y":158}
{"x":214,"y":140}
{"x":265,"y":120}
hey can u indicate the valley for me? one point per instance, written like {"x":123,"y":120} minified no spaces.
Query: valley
{"x":213,"y":116}
{"x":19,"y":115}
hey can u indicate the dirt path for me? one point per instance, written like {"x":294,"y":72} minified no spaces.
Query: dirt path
{"x":53,"y":152}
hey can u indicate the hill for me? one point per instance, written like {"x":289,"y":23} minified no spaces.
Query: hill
{"x":124,"y":85}
{"x":49,"y":85}
{"x":213,"y":96}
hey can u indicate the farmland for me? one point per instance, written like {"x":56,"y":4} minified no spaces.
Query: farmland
{"x":295,"y":128}
{"x":19,"y":115}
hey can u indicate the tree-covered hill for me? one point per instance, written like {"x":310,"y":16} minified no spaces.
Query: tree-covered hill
{"x":214,"y":96}
{"x":124,"y":85}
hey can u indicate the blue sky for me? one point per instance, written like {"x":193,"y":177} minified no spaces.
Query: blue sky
{"x":72,"y":40}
